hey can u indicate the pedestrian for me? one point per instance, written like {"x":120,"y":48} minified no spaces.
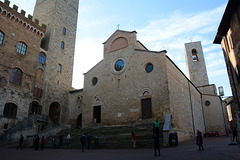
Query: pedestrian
{"x":68,"y":138}
{"x":89,"y":138}
{"x":53,"y":143}
{"x":83,"y":141}
{"x":20,"y":142}
{"x":134,"y":138}
{"x":60,"y":140}
{"x":96,"y":141}
{"x":36,"y":142}
{"x":156,"y":127}
{"x":199,"y":140}
{"x":234,"y":134}
{"x":42,"y":143}
{"x":156,"y":145}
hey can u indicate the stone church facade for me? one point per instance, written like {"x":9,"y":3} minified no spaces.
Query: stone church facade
{"x":130,"y":85}
{"x":133,"y":84}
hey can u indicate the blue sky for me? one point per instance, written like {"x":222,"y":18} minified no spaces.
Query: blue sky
{"x":160,"y":25}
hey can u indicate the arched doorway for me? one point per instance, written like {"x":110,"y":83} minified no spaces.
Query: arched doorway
{"x":79,"y":121}
{"x":54,"y":112}
{"x":35,"y":108}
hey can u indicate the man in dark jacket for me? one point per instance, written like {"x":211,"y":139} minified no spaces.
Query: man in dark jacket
{"x":83,"y":141}
{"x":199,"y":140}
{"x":20,"y":142}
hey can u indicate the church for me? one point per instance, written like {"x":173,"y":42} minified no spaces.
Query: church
{"x":130,"y":86}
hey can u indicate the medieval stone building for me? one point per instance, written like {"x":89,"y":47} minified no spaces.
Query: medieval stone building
{"x":131,"y":85}
{"x":228,"y":36}
{"x":20,"y":40}
{"x":37,"y":65}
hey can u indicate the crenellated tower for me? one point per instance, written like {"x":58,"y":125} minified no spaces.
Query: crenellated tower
{"x":58,"y":45}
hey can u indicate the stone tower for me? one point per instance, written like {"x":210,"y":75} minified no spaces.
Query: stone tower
{"x":196,"y":67}
{"x":58,"y":45}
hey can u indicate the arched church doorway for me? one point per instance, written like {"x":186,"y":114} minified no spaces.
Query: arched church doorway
{"x":146,"y":108}
{"x":35,"y":108}
{"x":54,"y":112}
{"x":79,"y":121}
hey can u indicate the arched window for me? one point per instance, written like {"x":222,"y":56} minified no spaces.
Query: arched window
{"x":62,"y":45}
{"x":16,"y":76}
{"x":1,"y":37}
{"x":10,"y":110}
{"x":22,"y":47}
{"x":41,"y":58}
{"x":194,"y":55}
{"x":59,"y":68}
{"x":64,"y":31}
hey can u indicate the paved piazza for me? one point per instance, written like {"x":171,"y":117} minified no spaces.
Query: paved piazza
{"x":215,"y":148}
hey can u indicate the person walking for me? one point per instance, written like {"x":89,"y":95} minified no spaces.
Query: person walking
{"x":20,"y":142}
{"x":156,"y":127}
{"x":83,"y":141}
{"x":234,"y":134}
{"x":42,"y":143}
{"x":134,"y":138}
{"x":53,"y":143}
{"x":96,"y":141}
{"x":89,"y":139}
{"x":199,"y":140}
{"x":60,"y":140}
{"x":156,"y":145}
{"x":68,"y":138}
{"x":36,"y":142}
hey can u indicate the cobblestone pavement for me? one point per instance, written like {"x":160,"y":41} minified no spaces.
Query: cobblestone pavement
{"x":215,"y":148}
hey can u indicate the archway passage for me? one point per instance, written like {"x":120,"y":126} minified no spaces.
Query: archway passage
{"x":79,"y":121}
{"x":35,"y":108}
{"x":54,"y":112}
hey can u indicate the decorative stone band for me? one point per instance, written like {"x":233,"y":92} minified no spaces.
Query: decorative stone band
{"x":20,"y":21}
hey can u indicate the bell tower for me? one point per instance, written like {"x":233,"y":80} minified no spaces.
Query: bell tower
{"x":58,"y":45}
{"x":196,"y":67}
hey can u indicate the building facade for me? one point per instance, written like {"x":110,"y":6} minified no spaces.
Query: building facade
{"x":132,"y":84}
{"x":58,"y":45}
{"x":229,"y":38}
{"x":20,"y":39}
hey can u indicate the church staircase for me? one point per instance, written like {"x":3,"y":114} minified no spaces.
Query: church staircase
{"x":111,"y":137}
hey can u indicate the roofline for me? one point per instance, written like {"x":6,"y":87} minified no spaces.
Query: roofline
{"x":225,"y":22}
{"x":77,"y":90}
{"x":142,"y":45}
{"x":119,"y":31}
{"x":184,"y":75}
{"x":163,"y":51}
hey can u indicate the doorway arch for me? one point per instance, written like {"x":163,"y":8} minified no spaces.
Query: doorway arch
{"x":79,"y":121}
{"x":54,"y":112}
{"x":35,"y":108}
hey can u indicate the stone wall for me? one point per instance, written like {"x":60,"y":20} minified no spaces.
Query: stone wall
{"x":185,"y":104}
{"x":120,"y":93}
{"x":17,"y":28}
{"x":213,"y":113}
{"x":58,"y":14}
{"x":75,"y":108}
